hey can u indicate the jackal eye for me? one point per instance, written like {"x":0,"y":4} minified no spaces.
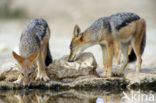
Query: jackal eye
{"x":30,"y":74}
{"x":22,"y":74}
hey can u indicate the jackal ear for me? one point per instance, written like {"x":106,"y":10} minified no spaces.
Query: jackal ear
{"x":17,"y":57}
{"x":76,"y":31}
{"x":33,"y":57}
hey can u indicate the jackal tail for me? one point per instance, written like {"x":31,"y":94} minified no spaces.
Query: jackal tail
{"x":132,"y":56}
{"x":48,"y":59}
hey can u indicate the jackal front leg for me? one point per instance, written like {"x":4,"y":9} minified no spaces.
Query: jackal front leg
{"x":18,"y":81}
{"x":117,"y":53}
{"x":104,"y":54}
{"x":41,"y":74}
{"x":110,"y":58}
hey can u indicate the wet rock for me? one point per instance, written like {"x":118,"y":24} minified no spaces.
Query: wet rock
{"x":80,"y":74}
{"x":9,"y":73}
{"x":140,"y":80}
{"x":84,"y":65}
{"x":60,"y":69}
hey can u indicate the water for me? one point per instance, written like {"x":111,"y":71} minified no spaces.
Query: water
{"x":73,"y":96}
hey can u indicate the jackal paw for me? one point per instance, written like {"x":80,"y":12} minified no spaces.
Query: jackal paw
{"x":103,"y":74}
{"x":46,"y":78}
{"x":43,"y":78}
{"x":118,"y":74}
{"x":18,"y":81}
{"x":109,"y":74}
{"x":138,"y":70}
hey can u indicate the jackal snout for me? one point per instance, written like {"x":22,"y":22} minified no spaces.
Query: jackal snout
{"x":26,"y":82}
{"x":71,"y":58}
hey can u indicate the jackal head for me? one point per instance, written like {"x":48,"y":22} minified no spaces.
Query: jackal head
{"x":78,"y":44}
{"x":26,"y":67}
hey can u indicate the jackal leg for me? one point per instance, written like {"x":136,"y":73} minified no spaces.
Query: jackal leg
{"x":117,"y":53}
{"x":41,"y":67}
{"x":137,"y":42}
{"x":104,"y":54}
{"x":110,"y":58}
{"x":136,"y":47}
{"x":18,"y":81}
{"x":124,"y":49}
{"x":42,"y":99}
{"x":19,"y":98}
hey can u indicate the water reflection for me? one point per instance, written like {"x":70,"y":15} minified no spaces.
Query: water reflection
{"x":72,"y":96}
{"x":24,"y":99}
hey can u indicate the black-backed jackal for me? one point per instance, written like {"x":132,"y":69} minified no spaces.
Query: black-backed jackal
{"x":128,"y":29}
{"x":34,"y":51}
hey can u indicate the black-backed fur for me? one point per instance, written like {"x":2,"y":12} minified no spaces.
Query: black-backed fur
{"x":106,"y":24}
{"x":114,"y":22}
{"x":37,"y":26}
{"x":127,"y":18}
{"x":41,"y":26}
{"x":44,"y":30}
{"x":48,"y":59}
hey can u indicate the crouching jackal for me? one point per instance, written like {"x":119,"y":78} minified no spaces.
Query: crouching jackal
{"x":128,"y":29}
{"x":34,"y":51}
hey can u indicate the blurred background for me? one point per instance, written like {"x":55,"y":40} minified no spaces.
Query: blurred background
{"x":62,"y":15}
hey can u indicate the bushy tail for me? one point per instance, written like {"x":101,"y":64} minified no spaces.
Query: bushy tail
{"x":48,"y":59}
{"x":132,"y":57}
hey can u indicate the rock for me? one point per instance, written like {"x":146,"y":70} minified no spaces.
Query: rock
{"x":80,"y":74}
{"x":60,"y":69}
{"x":83,"y":83}
{"x":84,"y":65}
{"x":9,"y":73}
{"x":136,"y":80}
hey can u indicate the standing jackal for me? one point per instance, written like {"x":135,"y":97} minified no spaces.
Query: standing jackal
{"x":128,"y":29}
{"x":34,"y":49}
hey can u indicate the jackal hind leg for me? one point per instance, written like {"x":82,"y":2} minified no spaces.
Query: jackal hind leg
{"x":136,"y":47}
{"x":124,"y":50}
{"x":104,"y":54}
{"x":42,"y":75}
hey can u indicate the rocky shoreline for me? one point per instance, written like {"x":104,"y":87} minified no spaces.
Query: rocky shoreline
{"x":80,"y":75}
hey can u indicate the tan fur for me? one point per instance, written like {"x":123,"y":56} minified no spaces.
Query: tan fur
{"x":43,"y":52}
{"x":31,"y":98}
{"x":140,"y":32}
{"x":136,"y":31}
{"x":25,"y":64}
{"x":117,"y":52}
{"x":18,"y":58}
{"x":128,"y":37}
{"x":28,"y":64}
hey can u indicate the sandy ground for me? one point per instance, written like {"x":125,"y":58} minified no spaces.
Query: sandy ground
{"x":62,"y":15}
